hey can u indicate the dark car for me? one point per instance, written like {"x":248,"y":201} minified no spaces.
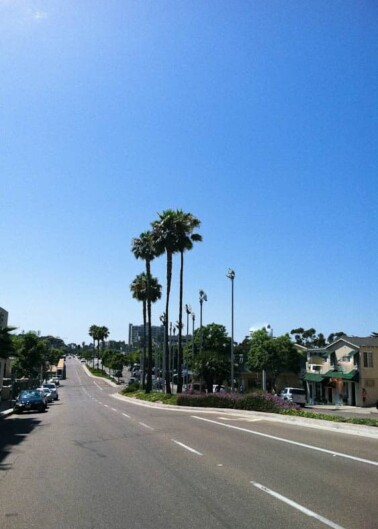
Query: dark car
{"x":30,"y":399}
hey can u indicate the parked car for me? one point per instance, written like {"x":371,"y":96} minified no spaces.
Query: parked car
{"x":47,"y":393}
{"x":296,"y":395}
{"x":52,"y":388}
{"x":54,"y":380}
{"x":30,"y":399}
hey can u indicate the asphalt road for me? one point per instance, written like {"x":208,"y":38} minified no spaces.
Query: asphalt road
{"x":97,"y":462}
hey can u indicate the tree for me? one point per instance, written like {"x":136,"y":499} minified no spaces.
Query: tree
{"x":144,"y":248}
{"x":212,"y":365}
{"x":6,"y":342}
{"x":275,"y":355}
{"x":139,"y":291}
{"x":186,"y":223}
{"x":93,"y":332}
{"x":310,"y":339}
{"x":32,"y":355}
{"x":103,"y":333}
{"x":165,"y":238}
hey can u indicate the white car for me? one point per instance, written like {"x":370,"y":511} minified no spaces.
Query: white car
{"x":52,"y":388}
{"x":54,"y":380}
{"x":47,"y":393}
{"x":296,"y":395}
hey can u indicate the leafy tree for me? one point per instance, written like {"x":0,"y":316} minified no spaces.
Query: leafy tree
{"x":374,"y":335}
{"x":6,"y":342}
{"x":275,"y":355}
{"x":32,"y":355}
{"x":309,"y":338}
{"x":213,"y":364}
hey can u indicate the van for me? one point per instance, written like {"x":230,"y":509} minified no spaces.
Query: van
{"x":296,"y":395}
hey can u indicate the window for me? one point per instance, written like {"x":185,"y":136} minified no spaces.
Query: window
{"x":368,"y":359}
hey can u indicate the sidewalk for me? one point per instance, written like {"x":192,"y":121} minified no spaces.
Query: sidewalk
{"x":6,"y":408}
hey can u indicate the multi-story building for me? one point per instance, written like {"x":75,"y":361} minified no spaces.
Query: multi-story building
{"x":4,"y":362}
{"x":136,"y":334}
{"x":344,"y":372}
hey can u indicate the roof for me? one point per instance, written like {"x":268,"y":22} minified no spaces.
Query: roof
{"x":361,"y":341}
{"x":313,"y":377}
{"x":352,"y":375}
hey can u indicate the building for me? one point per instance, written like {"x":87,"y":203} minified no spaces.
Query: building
{"x":344,"y":372}
{"x":4,"y":362}
{"x":136,"y":334}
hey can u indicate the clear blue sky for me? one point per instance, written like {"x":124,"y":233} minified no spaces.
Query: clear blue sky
{"x":259,"y":117}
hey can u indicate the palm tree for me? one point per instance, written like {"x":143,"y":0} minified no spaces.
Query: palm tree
{"x":185,"y":225}
{"x":139,"y":291}
{"x":143,"y":247}
{"x":165,"y":235}
{"x":93,"y":332}
{"x":103,"y":333}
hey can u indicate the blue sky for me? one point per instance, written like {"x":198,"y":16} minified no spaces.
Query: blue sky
{"x":259,"y":117}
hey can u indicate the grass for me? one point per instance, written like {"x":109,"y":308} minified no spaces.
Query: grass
{"x":99,"y":373}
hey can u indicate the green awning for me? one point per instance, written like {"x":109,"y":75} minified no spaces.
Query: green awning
{"x":352,"y":375}
{"x":313,"y":377}
{"x":333,"y":374}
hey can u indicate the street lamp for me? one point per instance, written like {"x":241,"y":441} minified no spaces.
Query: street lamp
{"x":193,"y":320}
{"x":188,"y":310}
{"x":231,"y":275}
{"x":202,"y":298}
{"x":163,"y":320}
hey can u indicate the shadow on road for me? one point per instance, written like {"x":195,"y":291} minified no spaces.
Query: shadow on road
{"x":13,"y":432}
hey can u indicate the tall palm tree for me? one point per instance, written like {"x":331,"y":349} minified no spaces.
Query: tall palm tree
{"x":103,"y":333}
{"x":165,"y":235}
{"x":143,"y":247}
{"x":186,"y":223}
{"x":139,"y":292}
{"x":93,"y":333}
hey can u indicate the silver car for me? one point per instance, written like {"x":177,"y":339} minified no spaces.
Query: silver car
{"x":52,"y":388}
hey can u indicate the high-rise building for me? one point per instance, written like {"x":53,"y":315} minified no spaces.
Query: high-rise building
{"x":136,"y":333}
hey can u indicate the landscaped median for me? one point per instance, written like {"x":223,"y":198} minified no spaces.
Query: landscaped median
{"x":264,"y":402}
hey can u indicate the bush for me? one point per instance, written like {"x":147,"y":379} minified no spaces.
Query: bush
{"x":131,"y":388}
{"x":256,"y":402}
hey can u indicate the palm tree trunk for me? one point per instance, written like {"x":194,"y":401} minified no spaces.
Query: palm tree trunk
{"x":143,"y":363}
{"x":149,"y":367}
{"x":179,"y":357}
{"x":166,"y":352}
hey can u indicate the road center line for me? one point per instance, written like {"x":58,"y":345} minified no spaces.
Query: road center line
{"x":99,"y":387}
{"x":125,"y":415}
{"x":306,"y":511}
{"x":114,"y":409}
{"x":146,"y":425}
{"x":187,"y":447}
{"x":288,"y":441}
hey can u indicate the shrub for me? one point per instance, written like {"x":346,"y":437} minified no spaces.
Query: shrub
{"x":257,"y":402}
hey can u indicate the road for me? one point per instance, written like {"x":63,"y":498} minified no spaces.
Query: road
{"x":98,"y":462}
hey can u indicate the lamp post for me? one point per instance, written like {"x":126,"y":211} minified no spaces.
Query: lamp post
{"x":163,"y":320}
{"x":188,"y":310}
{"x":193,"y":320}
{"x":231,"y":275}
{"x":202,"y":298}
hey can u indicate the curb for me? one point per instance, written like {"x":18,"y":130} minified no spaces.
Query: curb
{"x":318,"y":424}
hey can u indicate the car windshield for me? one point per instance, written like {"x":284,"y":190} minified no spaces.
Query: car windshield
{"x":298,"y":391}
{"x":30,"y":393}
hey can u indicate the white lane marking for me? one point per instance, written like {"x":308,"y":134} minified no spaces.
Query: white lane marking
{"x":187,"y":447}
{"x":306,"y":511}
{"x":106,"y":406}
{"x":288,"y":441}
{"x":146,"y":425}
{"x":244,"y":419}
{"x":99,"y":387}
{"x":125,"y":415}
{"x":113,"y":409}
